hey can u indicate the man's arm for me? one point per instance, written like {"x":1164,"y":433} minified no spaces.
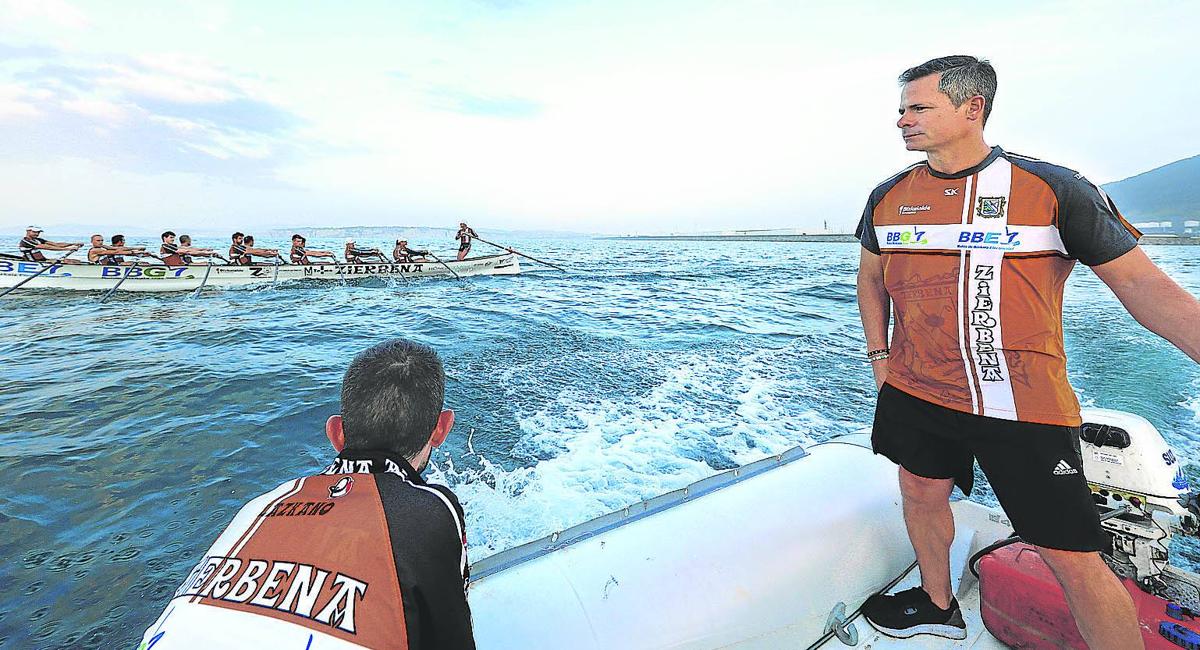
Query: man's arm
{"x":874,"y":308}
{"x":1154,"y":299}
{"x":58,"y":246}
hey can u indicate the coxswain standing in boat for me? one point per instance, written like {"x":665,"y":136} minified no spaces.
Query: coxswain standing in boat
{"x":301,"y":253}
{"x":403,"y":254}
{"x":187,"y":251}
{"x":464,"y":235}
{"x":356,"y":255}
{"x":970,"y":250}
{"x":110,"y":255}
{"x":363,"y":554}
{"x":32,"y":245}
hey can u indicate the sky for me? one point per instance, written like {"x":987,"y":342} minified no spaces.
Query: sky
{"x":606,"y":117}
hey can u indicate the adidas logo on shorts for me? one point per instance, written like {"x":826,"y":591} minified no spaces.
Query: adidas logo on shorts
{"x":1062,"y":469}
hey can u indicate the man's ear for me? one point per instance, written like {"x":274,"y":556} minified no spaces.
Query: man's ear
{"x":333,"y":431}
{"x":441,"y":430}
{"x":975,"y":106}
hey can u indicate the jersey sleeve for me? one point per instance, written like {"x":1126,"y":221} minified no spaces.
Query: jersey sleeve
{"x":1093,"y":230}
{"x":429,"y":546}
{"x":442,"y":589}
{"x":866,"y":227}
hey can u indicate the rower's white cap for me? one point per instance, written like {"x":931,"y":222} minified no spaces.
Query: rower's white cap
{"x":349,"y":240}
{"x":34,"y":228}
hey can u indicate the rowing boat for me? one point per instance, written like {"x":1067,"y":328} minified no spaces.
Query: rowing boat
{"x":159,"y":277}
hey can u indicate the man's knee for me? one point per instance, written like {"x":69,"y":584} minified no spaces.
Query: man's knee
{"x":923,"y":491}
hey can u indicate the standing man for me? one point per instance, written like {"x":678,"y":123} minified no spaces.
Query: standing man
{"x":464,"y":235}
{"x":970,"y":250}
{"x":32,"y":245}
{"x":364,"y":554}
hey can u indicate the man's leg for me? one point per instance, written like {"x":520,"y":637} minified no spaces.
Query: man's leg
{"x":931,"y":530}
{"x":1101,"y":605}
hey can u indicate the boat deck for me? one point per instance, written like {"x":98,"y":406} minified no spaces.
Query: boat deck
{"x":976,"y":526}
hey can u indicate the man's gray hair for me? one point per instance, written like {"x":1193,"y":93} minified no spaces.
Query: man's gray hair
{"x":963,"y":77}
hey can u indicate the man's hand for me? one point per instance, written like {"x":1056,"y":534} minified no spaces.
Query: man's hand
{"x":879,"y":368}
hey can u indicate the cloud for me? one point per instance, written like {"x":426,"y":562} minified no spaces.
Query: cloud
{"x":166,"y":114}
{"x":513,"y":108}
{"x":55,"y":12}
{"x":10,"y":52}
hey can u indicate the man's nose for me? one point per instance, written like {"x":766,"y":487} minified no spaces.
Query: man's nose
{"x":905,"y":120}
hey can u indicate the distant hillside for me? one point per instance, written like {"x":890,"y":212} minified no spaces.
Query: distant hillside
{"x":1171,"y":192}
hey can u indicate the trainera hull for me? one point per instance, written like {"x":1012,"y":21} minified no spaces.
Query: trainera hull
{"x":91,"y":277}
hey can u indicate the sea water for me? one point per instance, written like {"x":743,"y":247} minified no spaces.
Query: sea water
{"x":132,"y":431}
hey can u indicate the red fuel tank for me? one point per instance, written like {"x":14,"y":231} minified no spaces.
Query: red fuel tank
{"x":1023,"y":606}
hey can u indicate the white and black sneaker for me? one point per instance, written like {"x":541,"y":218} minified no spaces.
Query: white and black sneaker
{"x":911,"y":612}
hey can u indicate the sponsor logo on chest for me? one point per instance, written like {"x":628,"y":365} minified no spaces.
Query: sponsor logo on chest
{"x":913,"y":209}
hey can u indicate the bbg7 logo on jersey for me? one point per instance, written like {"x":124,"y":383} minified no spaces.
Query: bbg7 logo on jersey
{"x":992,"y":239}
{"x":906,"y":237}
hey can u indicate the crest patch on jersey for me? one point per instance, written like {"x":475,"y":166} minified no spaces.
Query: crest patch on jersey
{"x":990,"y":207}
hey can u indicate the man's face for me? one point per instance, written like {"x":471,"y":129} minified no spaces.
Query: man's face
{"x":169,"y":239}
{"x":238,"y":240}
{"x":97,"y":241}
{"x":928,"y":119}
{"x":296,"y":241}
{"x":32,"y":233}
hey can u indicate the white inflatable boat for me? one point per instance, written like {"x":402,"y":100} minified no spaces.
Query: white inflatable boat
{"x":782,"y":552}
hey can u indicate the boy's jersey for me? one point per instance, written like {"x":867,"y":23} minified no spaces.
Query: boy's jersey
{"x":363,"y":555}
{"x":975,"y":264}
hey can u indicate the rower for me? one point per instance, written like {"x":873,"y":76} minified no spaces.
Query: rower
{"x":169,"y":251}
{"x":355,"y":255}
{"x":237,"y":250}
{"x":187,"y":251}
{"x":252,"y":252}
{"x":118,"y":241}
{"x":300,"y":252}
{"x":32,"y":245}
{"x":101,"y":253}
{"x":402,"y":253}
{"x":464,"y":236}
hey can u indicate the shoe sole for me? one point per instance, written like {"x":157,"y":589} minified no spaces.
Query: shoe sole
{"x":935,"y":629}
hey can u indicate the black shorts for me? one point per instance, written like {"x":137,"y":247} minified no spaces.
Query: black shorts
{"x":1036,"y":470}
{"x":463,"y":247}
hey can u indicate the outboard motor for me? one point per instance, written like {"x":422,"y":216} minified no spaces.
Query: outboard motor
{"x":1140,"y":488}
{"x":1141,"y":491}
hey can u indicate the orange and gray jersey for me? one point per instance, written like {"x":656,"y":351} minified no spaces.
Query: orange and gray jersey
{"x":975,"y":264}
{"x":363,"y":555}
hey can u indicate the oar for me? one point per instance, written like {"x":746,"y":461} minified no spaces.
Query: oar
{"x":207,"y":270}
{"x":554,"y":266}
{"x":43,"y":270}
{"x":108,"y":294}
{"x":278,"y":261}
{"x":439,"y":261}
